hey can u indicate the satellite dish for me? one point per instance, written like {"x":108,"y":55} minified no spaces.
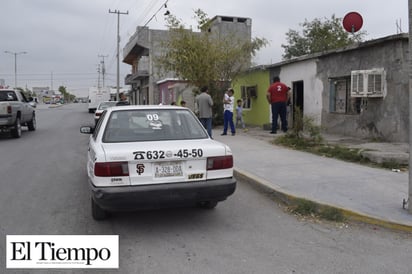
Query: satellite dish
{"x":352,"y":22}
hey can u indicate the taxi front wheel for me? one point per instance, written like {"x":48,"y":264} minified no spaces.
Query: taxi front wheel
{"x":97,"y":212}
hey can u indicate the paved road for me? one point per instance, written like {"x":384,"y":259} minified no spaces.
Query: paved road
{"x":43,"y":191}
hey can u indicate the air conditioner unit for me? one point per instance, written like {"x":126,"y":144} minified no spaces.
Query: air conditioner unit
{"x":368,"y":83}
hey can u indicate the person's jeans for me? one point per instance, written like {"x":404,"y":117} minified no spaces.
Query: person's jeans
{"x":207,"y":124}
{"x":228,"y":120}
{"x":279,"y":109}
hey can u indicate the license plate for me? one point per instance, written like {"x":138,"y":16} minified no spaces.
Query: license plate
{"x":168,"y":169}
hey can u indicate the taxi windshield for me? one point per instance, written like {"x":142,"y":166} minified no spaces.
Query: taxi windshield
{"x":152,"y":125}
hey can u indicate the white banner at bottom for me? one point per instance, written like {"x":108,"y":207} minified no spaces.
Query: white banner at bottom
{"x":62,"y":251}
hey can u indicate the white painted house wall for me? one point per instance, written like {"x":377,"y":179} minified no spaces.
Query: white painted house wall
{"x":306,"y":71}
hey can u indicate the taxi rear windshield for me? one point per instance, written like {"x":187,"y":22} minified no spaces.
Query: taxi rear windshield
{"x":152,"y":125}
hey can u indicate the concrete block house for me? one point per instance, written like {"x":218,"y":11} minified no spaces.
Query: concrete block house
{"x":147,"y":86}
{"x":360,"y":90}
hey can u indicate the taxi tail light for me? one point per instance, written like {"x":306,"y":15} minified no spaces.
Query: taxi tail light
{"x":111,"y":169}
{"x":220,"y":162}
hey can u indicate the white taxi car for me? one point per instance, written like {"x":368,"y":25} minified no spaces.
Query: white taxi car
{"x":155,"y":156}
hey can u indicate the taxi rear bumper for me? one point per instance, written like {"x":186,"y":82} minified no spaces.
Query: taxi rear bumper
{"x":125,"y":198}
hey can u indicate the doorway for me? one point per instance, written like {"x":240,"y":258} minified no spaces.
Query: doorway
{"x":297,"y":100}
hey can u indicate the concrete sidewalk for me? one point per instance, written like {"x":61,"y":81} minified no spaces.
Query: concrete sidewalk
{"x":367,"y":194}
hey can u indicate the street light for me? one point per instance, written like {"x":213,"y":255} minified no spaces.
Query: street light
{"x":15,"y":64}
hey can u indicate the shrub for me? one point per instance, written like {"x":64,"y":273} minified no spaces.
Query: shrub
{"x":305,"y":207}
{"x":332,"y":214}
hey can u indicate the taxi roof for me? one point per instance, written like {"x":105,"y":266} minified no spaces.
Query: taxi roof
{"x":143,"y":107}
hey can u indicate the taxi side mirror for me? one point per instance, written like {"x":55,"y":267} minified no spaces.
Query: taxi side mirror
{"x":86,"y":130}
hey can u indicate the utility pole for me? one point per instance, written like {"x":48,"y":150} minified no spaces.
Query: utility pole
{"x":118,"y":48}
{"x":51,"y":81}
{"x":98,"y":77}
{"x":410,"y":109}
{"x":103,"y":69}
{"x":15,"y":64}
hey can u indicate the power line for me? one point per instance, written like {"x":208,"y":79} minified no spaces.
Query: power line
{"x":48,"y":73}
{"x":154,"y":15}
{"x":144,"y":12}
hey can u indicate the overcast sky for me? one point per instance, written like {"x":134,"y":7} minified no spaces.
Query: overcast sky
{"x":63,"y":39}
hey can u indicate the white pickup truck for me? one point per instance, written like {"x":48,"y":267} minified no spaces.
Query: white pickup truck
{"x":16,"y":111}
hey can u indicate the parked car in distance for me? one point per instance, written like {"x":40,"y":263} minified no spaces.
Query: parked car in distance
{"x":101,"y":107}
{"x":155,"y":156}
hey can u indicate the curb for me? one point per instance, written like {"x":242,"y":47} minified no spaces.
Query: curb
{"x":290,"y":199}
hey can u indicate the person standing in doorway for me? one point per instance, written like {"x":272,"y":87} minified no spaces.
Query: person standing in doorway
{"x":278,"y":96}
{"x":204,"y":104}
{"x":228,"y":104}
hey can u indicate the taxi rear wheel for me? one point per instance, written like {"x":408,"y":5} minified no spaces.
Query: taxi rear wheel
{"x":97,"y":212}
{"x":207,"y":204}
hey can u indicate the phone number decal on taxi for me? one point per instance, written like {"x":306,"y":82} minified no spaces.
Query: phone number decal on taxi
{"x":160,"y":154}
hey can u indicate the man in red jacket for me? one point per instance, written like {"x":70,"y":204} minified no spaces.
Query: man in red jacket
{"x":278,"y":96}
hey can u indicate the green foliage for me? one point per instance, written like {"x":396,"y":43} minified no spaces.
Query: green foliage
{"x":297,"y":127}
{"x":205,"y":59}
{"x":202,"y":58}
{"x":305,"y":207}
{"x":331,"y":214}
{"x":306,"y":136}
{"x":319,"y":148}
{"x":203,"y":21}
{"x":304,"y":124}
{"x":394,"y":165}
{"x":292,"y":141}
{"x":308,"y":208}
{"x":319,"y":36}
{"x":340,"y":152}
{"x":66,"y":95}
{"x":313,"y":129}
